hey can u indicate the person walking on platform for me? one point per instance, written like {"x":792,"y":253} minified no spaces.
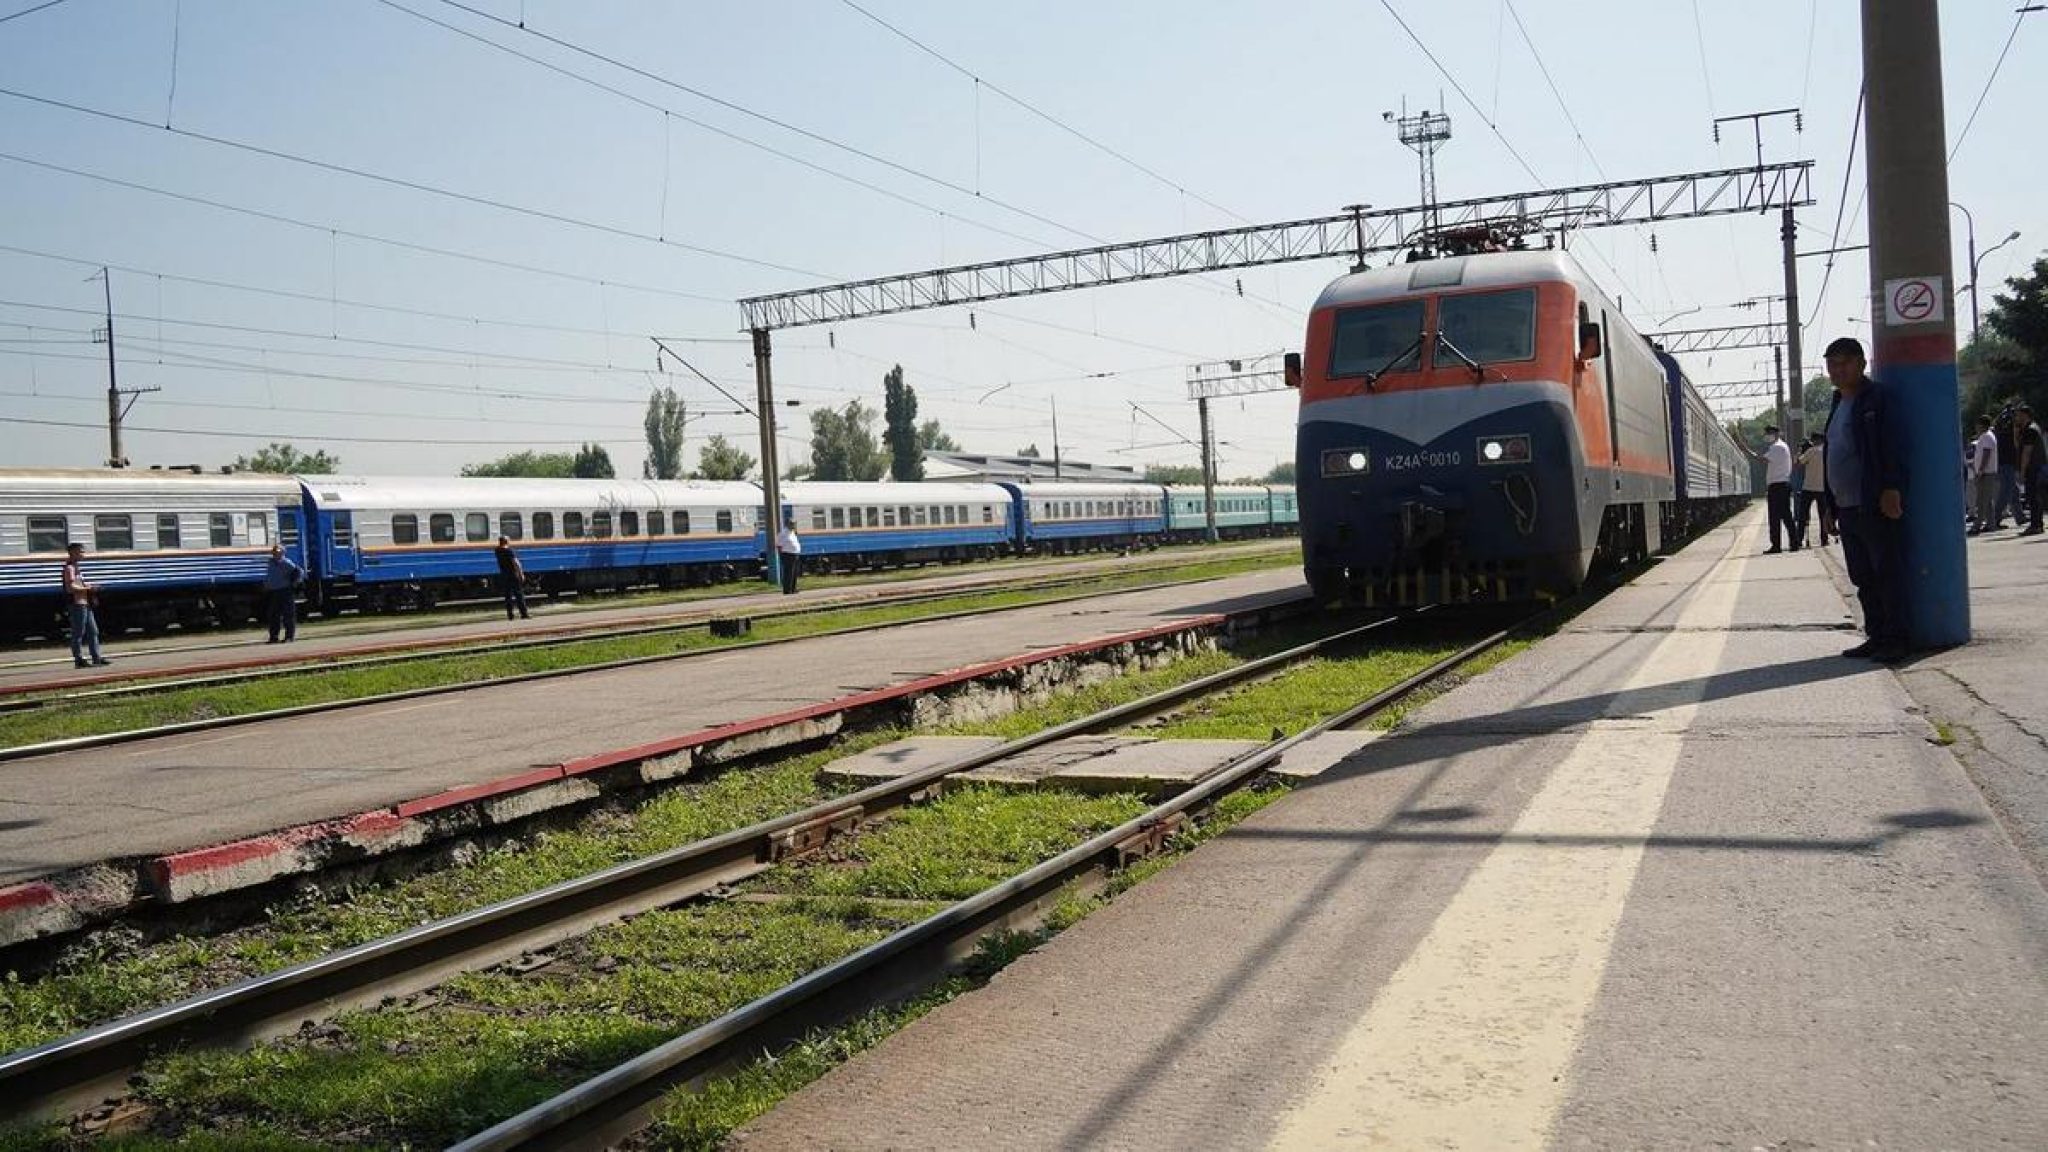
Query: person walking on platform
{"x":281,"y":580}
{"x":1984,"y":478}
{"x":2008,"y":499}
{"x":511,"y":579}
{"x":789,"y":558}
{"x":1777,"y":458}
{"x":85,"y":628}
{"x":2033,"y":470}
{"x":1813,"y":492}
{"x":1865,"y":488}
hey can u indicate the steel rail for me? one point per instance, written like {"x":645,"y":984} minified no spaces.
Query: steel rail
{"x":74,"y":1070}
{"x":184,"y":727}
{"x":167,"y":679}
{"x":616,"y":1103}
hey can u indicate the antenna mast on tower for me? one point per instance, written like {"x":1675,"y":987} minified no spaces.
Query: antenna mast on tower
{"x":1425,"y":132}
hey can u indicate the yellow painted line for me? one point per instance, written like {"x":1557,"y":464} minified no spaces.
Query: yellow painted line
{"x":1470,"y":1044}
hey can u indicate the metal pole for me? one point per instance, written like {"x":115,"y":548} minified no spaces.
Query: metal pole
{"x":1208,"y":471}
{"x":1970,"y":225}
{"x":1778,"y":361}
{"x":771,"y":480}
{"x":1913,"y":322}
{"x":1055,"y":401}
{"x":114,"y":457}
{"x":1795,"y":422}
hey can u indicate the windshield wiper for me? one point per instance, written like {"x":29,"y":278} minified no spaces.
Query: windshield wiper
{"x":1443,"y":341}
{"x":1415,"y":345}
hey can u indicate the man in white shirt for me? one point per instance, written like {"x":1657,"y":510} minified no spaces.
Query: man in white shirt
{"x":1984,"y":466}
{"x":1813,"y":491}
{"x":1777,"y":458}
{"x":789,"y":556}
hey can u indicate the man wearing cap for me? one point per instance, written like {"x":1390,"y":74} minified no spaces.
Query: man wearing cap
{"x":1865,"y":484}
{"x":2033,"y":470}
{"x":85,"y":629}
{"x":1777,"y":458}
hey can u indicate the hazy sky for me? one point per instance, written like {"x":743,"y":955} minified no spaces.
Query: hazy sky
{"x":650,"y":208}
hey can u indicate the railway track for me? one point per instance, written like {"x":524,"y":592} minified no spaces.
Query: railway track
{"x":690,"y":624}
{"x":77,"y":1070}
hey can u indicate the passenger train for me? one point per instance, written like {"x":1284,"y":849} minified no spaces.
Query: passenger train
{"x":1487,"y":427}
{"x":178,"y":548}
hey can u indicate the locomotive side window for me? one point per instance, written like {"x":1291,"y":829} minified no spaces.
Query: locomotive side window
{"x":543,"y":525}
{"x":511,"y":526}
{"x":1379,"y":338}
{"x":113,"y":533}
{"x":167,"y":530}
{"x":1490,"y":327}
{"x":441,"y":527}
{"x":47,"y":534}
{"x":220,"y":529}
{"x":405,"y":529}
{"x":476,"y":526}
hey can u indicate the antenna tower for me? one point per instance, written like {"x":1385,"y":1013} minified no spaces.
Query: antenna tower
{"x":1425,"y":132}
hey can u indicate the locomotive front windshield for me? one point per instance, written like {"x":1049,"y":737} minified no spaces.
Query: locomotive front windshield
{"x":1490,"y":327}
{"x":1372,"y":340}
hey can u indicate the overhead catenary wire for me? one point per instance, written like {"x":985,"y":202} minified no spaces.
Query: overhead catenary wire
{"x":2018,"y":18}
{"x":12,"y":16}
{"x":223,"y":435}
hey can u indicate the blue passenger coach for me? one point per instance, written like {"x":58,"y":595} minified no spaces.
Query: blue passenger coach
{"x":848,"y":524}
{"x":170,"y":547}
{"x":1078,"y":517}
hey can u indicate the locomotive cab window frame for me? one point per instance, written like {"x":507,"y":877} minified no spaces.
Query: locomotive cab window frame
{"x":1497,"y":326}
{"x":1369,"y":339}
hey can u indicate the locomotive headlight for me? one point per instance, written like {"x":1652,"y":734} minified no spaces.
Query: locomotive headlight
{"x":1355,"y":461}
{"x":1346,"y":462}
{"x":1505,"y":449}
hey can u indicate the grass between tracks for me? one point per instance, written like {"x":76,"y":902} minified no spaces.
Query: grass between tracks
{"x":487,"y":1044}
{"x":317,"y":685}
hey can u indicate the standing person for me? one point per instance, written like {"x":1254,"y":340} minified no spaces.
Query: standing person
{"x":511,"y":579}
{"x":1777,"y":458}
{"x":1984,"y":468}
{"x":1813,"y":490}
{"x":789,"y":556}
{"x":85,"y":628}
{"x":281,"y":580}
{"x":2008,"y":470}
{"x":1864,"y":477}
{"x":2033,"y":469}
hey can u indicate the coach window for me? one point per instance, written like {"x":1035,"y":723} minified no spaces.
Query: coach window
{"x":657,"y":523}
{"x":874,"y":517}
{"x":1489,"y":327}
{"x":629,"y":523}
{"x":903,"y":516}
{"x":838,"y":517}
{"x":988,"y":514}
{"x":682,"y":522}
{"x":441,"y":527}
{"x":476,"y":526}
{"x":167,"y":531}
{"x":918,"y":512}
{"x":220,"y":529}
{"x":572,"y":525}
{"x":259,"y":529}
{"x":405,"y":529}
{"x":543,"y":525}
{"x":48,"y":534}
{"x":113,"y":533}
{"x":511,"y":526}
{"x":725,"y":519}
{"x":601,"y":525}
{"x":287,"y":528}
{"x":1378,"y":338}
{"x":889,"y":516}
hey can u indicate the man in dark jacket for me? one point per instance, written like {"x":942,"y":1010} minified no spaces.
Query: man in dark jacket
{"x":511,"y":578}
{"x":281,"y":580}
{"x":1865,"y":485}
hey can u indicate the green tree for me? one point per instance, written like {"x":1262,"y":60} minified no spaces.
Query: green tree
{"x":899,"y":430}
{"x":932,"y":438}
{"x":1818,"y":398}
{"x":1173,"y":474}
{"x":2009,"y":360}
{"x":284,"y":458}
{"x":664,"y":426}
{"x":719,"y":459}
{"x":545,"y":465}
{"x":1281,"y":473}
{"x":843,"y":444}
{"x":592,"y":463}
{"x":1029,"y":451}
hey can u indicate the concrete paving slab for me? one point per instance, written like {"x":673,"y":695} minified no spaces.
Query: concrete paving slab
{"x":1105,"y":763}
{"x":1704,"y":884}
{"x":1319,"y":754}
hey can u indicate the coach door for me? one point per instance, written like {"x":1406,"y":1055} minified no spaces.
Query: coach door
{"x":340,"y":546}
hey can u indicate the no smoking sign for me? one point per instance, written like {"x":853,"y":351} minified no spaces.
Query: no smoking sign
{"x":1915,"y":300}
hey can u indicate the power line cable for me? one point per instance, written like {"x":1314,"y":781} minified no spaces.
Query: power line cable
{"x":218,"y":434}
{"x":1835,"y":237}
{"x":1042,"y":114}
{"x":369,"y":237}
{"x":2017,"y":20}
{"x":11,"y":16}
{"x":410,"y":185}
{"x":1544,"y":68}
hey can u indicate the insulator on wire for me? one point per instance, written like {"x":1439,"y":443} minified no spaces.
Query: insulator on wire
{"x":831,"y":339}
{"x":971,"y":325}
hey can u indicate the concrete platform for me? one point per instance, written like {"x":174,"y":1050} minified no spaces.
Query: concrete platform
{"x":1109,"y":763}
{"x":66,"y":810}
{"x":1680,"y":877}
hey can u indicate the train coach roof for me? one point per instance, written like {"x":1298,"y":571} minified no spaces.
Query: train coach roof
{"x":459,"y":493}
{"x":1063,"y":491}
{"x":1226,"y":489}
{"x":110,"y":482}
{"x":1451,"y":273}
{"x":885,"y":492}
